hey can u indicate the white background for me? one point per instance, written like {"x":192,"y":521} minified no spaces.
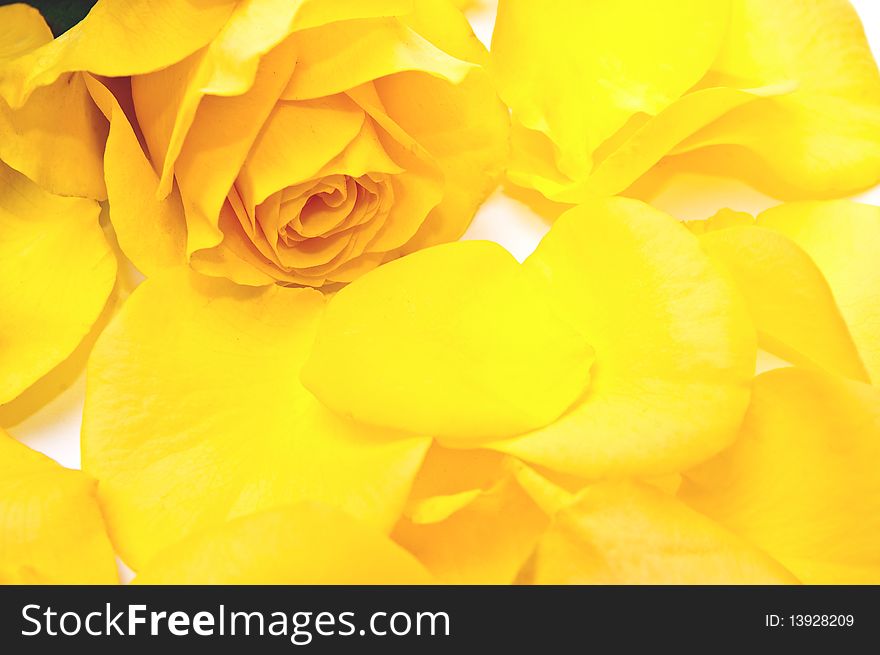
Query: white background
{"x":54,"y":428}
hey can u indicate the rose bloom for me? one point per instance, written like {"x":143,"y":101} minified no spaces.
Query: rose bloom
{"x":298,"y":142}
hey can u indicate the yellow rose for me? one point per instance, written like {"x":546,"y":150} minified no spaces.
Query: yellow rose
{"x":299,"y":142}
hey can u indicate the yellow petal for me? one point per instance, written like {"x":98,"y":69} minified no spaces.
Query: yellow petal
{"x":721,"y":219}
{"x":218,"y":143}
{"x":464,"y":127}
{"x":57,"y":137}
{"x":56,"y":273}
{"x":151,"y":232}
{"x":620,"y":533}
{"x":843,"y":238}
{"x":451,"y":341}
{"x":195,"y":415}
{"x":823,"y":139}
{"x":801,"y":481}
{"x":347,"y":54}
{"x":446,"y":27}
{"x":469,"y":521}
{"x":580,"y":91}
{"x":297,"y":544}
{"x":23,"y":29}
{"x":51,"y":530}
{"x":789,"y":300}
{"x":297,"y":141}
{"x":675,"y":350}
{"x":168,"y":99}
{"x":624,"y":162}
{"x":118,"y":38}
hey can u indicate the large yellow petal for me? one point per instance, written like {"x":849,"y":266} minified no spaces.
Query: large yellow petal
{"x":299,"y":544}
{"x":195,"y":415}
{"x":621,"y":533}
{"x":801,"y":481}
{"x":468,"y":519}
{"x":843,"y":238}
{"x":56,"y":273}
{"x":51,"y":529}
{"x":151,"y":232}
{"x":675,"y":349}
{"x":637,"y":58}
{"x":452,"y":341}
{"x":788,"y":298}
{"x":823,"y":139}
{"x":118,"y":38}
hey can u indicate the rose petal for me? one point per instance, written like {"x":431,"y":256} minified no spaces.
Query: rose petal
{"x":57,"y":137}
{"x":624,"y":533}
{"x":150,"y":231}
{"x":298,"y":139}
{"x":580,"y":91}
{"x":788,"y":298}
{"x":118,"y":38}
{"x":51,"y":530}
{"x":464,"y":128}
{"x":823,"y":139}
{"x":469,"y":520}
{"x":801,"y":481}
{"x":228,"y":66}
{"x":23,"y":29}
{"x":299,"y":544}
{"x":218,"y":143}
{"x":56,"y":273}
{"x":347,"y":54}
{"x":195,"y":415}
{"x":843,"y":238}
{"x":675,"y":349}
{"x":451,"y":341}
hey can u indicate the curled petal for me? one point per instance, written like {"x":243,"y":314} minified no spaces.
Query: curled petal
{"x":24,"y":29}
{"x":350,"y":53}
{"x":801,"y":481}
{"x":118,"y":38}
{"x":218,"y":142}
{"x":580,"y":91}
{"x":168,"y":99}
{"x":822,"y":139}
{"x":788,"y":298}
{"x":843,"y":238}
{"x":150,"y":231}
{"x":57,"y":137}
{"x":464,"y":128}
{"x":469,"y":520}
